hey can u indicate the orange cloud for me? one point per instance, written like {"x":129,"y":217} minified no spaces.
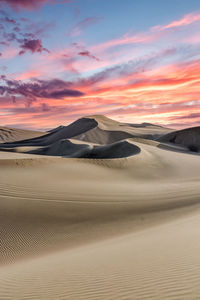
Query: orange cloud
{"x":27,"y":75}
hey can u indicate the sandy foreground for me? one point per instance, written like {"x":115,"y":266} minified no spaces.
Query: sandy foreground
{"x":125,"y":228}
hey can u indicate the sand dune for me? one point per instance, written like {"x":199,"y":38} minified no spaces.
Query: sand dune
{"x":62,"y":132}
{"x":110,"y":131}
{"x":95,"y":129}
{"x":90,"y":137}
{"x":189,"y":138}
{"x":11,"y":134}
{"x":124,"y":227}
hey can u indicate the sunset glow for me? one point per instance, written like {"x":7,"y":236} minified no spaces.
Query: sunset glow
{"x":61,"y":60}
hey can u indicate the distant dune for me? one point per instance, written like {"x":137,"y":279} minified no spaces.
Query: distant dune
{"x":100,"y":210}
{"x":13,"y":135}
{"x":189,"y":138}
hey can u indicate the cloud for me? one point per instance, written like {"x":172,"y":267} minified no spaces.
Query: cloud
{"x":24,"y":4}
{"x":29,"y":74}
{"x":4,"y":43}
{"x":135,"y":81}
{"x":31,"y":5}
{"x":189,"y":116}
{"x":33,"y":46}
{"x":82,"y":25}
{"x":26,"y":35}
{"x":151,"y":35}
{"x":79,"y":49}
{"x":8,"y":20}
{"x":127,"y":39}
{"x":41,"y":29}
{"x":16,"y":29}
{"x":50,"y":89}
{"x":132,"y":70}
{"x":41,"y":108}
{"x":186,"y":20}
{"x":64,"y":93}
{"x":67,"y":61}
{"x":87,"y":53}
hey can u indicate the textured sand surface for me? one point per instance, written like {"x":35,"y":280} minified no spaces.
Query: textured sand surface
{"x":158,"y":263}
{"x":77,"y":228}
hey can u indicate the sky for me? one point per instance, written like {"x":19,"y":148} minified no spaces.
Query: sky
{"x":132,"y":60}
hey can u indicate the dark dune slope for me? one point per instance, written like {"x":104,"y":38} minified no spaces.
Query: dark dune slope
{"x":103,"y":137}
{"x":189,"y":138}
{"x":63,"y":148}
{"x":116,"y":150}
{"x":63,"y":132}
{"x":69,"y":149}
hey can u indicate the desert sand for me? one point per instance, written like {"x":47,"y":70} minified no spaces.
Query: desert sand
{"x":100,"y":210}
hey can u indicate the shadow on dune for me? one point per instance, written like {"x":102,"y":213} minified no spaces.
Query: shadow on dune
{"x":66,"y":148}
{"x":185,"y":140}
{"x":177,"y":148}
{"x":76,"y":128}
{"x":116,"y":150}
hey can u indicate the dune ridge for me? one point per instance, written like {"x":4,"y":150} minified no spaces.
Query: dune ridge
{"x":13,"y":135}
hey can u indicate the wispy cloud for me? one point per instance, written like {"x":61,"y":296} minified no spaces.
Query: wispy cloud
{"x":79,"y":27}
{"x":152,"y":35}
{"x":127,"y":39}
{"x":186,"y":20}
{"x":87,"y":53}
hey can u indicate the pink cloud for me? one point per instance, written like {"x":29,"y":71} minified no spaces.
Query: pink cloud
{"x":30,"y":5}
{"x":152,"y":35}
{"x":186,"y":20}
{"x":125,"y":40}
{"x":9,"y":53}
{"x":27,"y":75}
